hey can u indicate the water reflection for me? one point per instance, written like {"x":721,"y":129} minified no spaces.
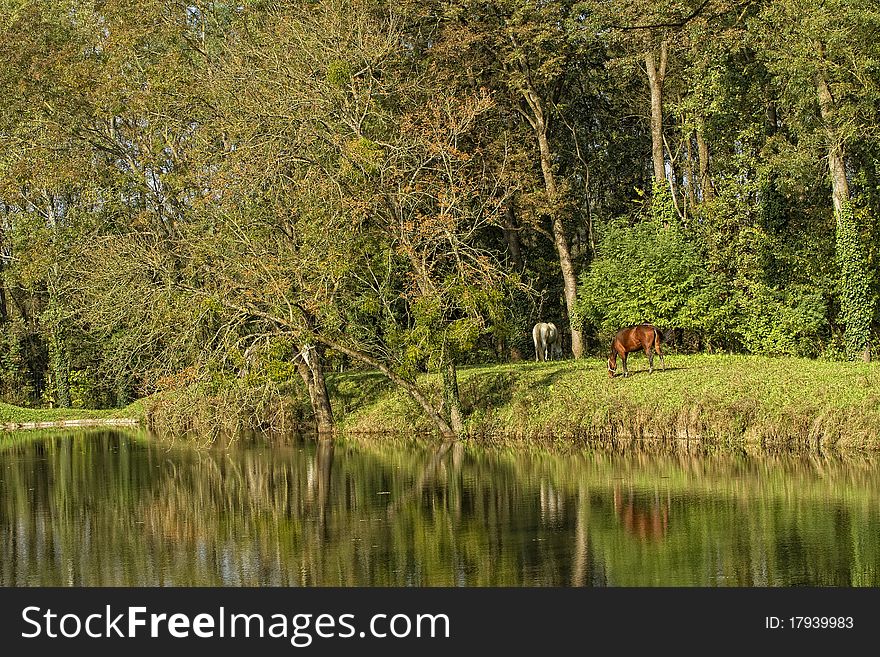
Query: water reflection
{"x":644,"y":516}
{"x":116,"y":509}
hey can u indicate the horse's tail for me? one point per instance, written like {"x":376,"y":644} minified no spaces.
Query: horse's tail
{"x":666,"y":335}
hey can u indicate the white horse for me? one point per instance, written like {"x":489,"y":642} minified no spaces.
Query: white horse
{"x":548,"y":342}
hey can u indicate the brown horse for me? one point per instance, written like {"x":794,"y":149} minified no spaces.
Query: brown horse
{"x":633,"y":338}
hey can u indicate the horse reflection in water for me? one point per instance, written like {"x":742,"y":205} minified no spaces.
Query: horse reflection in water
{"x":647,"y":520}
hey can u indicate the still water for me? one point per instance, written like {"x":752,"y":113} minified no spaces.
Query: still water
{"x":116,"y":509}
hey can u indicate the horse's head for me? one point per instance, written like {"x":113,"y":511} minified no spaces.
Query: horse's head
{"x":612,"y":364}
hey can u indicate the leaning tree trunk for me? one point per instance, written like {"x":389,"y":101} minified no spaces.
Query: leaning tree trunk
{"x":855,"y":302}
{"x":442,"y":424}
{"x":560,"y":238}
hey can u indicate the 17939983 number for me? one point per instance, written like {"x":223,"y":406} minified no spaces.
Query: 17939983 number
{"x":821,"y":622}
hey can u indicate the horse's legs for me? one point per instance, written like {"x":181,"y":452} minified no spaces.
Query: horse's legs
{"x":657,"y":348}
{"x":650,"y":355}
{"x":625,"y":370}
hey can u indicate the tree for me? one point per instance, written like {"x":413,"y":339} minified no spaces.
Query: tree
{"x":529,"y":56}
{"x":350,"y":203}
{"x":823,"y":56}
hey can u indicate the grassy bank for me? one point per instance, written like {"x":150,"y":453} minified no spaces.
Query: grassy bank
{"x":786,"y":402}
{"x":705,"y":398}
{"x":17,"y":417}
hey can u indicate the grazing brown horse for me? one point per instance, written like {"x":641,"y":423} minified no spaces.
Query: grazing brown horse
{"x":633,"y":338}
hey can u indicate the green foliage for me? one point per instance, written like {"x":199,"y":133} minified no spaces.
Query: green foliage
{"x":856,"y":301}
{"x":782,"y":321}
{"x":656,"y":272}
{"x":662,"y":206}
{"x":647,"y":272}
{"x":338,"y":73}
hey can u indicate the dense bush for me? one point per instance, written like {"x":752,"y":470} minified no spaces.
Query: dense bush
{"x":652,"y":271}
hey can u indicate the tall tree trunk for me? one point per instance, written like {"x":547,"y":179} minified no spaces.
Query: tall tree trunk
{"x":451,"y":398}
{"x":59,"y":357}
{"x":511,"y":236}
{"x":703,"y":153}
{"x":839,"y":183}
{"x":691,"y":182}
{"x":309,"y":364}
{"x":560,"y":238}
{"x":855,"y":302}
{"x":656,"y":76}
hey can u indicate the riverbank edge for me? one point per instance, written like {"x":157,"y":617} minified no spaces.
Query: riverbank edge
{"x":19,"y":418}
{"x":71,"y":424}
{"x":713,"y":400}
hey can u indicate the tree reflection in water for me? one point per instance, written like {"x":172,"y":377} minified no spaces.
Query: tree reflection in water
{"x":116,"y":509}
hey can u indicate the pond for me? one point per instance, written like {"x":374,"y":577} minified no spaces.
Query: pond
{"x":119,"y":509}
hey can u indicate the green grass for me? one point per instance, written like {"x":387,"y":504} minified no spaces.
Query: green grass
{"x":704,"y":398}
{"x":10,"y":414}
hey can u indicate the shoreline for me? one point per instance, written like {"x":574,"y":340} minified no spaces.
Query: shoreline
{"x":780,"y":403}
{"x":70,"y":424}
